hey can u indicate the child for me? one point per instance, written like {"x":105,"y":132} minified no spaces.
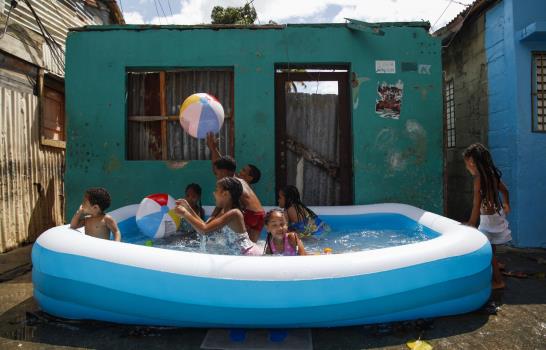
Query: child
{"x":253,"y":212}
{"x":487,"y":205}
{"x":227,"y":196}
{"x":300,"y":218}
{"x":250,"y":173}
{"x":279,"y":240}
{"x":193,"y":197}
{"x":91,"y":215}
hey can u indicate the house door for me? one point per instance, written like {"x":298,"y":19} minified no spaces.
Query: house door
{"x":313,"y":134}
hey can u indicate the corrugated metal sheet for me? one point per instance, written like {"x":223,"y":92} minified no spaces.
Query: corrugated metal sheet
{"x":57,"y":16}
{"x":312,"y":120}
{"x":181,"y":85}
{"x":31,"y":197}
{"x":144,"y":138}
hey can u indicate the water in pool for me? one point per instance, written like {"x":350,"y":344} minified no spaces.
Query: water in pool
{"x":349,"y":234}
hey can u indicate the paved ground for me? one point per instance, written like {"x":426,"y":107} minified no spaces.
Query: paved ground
{"x":514,"y":319}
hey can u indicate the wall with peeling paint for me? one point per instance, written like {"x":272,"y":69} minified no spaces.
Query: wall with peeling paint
{"x":395,"y":160}
{"x":465,"y":63}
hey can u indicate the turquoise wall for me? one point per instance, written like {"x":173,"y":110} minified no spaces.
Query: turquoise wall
{"x":394,"y":160}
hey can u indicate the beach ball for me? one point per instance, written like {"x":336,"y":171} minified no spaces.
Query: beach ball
{"x":200,"y":114}
{"x":155,"y":216}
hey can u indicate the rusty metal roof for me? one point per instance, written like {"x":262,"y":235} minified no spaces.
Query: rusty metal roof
{"x":450,"y":29}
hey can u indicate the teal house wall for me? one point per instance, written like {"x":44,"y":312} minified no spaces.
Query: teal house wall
{"x":394,"y":160}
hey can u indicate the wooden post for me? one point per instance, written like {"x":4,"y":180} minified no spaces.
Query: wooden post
{"x":163,"y":108}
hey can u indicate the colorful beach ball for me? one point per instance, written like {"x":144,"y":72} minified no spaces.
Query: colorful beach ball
{"x":200,"y":114}
{"x":155,"y":216}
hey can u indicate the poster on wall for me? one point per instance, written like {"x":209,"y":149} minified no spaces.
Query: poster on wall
{"x":389,"y":99}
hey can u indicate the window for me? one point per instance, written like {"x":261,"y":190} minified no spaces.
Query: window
{"x":450,"y":113}
{"x":52,"y":121}
{"x":538,"y":91}
{"x":153,"y":103}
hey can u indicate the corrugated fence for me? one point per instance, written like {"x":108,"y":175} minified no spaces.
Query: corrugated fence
{"x":31,"y":185}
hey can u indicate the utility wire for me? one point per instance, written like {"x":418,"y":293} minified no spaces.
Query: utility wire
{"x":449,"y":3}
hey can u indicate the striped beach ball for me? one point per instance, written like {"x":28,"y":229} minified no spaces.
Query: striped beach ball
{"x":200,"y":114}
{"x":155,"y":216}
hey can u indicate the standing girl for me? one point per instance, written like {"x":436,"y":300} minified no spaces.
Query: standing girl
{"x":227,"y":196}
{"x":487,"y":206}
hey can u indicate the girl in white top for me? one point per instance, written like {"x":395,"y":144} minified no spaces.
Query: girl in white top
{"x":487,"y":206}
{"x":227,"y":196}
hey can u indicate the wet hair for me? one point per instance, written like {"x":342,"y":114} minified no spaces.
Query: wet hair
{"x":292,"y":198}
{"x":235,"y":189}
{"x":226,"y":163}
{"x":197,"y":189}
{"x":98,"y":196}
{"x":255,"y":173}
{"x":269,"y":235}
{"x":490,"y":175}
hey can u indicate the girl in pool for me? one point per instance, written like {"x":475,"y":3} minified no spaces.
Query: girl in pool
{"x":279,"y":241}
{"x":487,"y":206}
{"x":300,"y":218}
{"x":227,"y":196}
{"x":193,"y":197}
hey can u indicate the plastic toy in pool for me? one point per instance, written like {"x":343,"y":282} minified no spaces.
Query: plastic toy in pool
{"x":80,"y":277}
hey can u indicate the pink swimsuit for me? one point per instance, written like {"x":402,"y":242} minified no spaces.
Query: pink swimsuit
{"x":288,"y":249}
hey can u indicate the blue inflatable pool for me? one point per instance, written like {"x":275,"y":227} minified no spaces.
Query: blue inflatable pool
{"x":79,"y":277}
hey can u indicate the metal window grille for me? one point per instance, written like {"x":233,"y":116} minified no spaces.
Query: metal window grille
{"x":539,"y":91}
{"x":450,"y":113}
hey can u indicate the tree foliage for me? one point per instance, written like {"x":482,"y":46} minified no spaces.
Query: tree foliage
{"x":234,"y":15}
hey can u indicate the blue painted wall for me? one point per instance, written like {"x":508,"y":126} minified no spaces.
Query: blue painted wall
{"x":517,"y":151}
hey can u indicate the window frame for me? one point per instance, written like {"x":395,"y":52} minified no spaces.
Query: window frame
{"x":56,"y":84}
{"x":535,"y":92}
{"x":164,"y":118}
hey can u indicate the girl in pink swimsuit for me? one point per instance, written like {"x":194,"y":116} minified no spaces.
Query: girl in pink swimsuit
{"x":279,"y":241}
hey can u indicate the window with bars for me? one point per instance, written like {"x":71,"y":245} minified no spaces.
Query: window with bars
{"x":153,"y":102}
{"x":539,"y":91}
{"x":450,"y":113}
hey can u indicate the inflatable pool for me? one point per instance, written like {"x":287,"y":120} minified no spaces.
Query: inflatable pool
{"x":79,"y":277}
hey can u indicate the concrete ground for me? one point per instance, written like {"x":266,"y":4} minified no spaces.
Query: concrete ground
{"x":514,"y":319}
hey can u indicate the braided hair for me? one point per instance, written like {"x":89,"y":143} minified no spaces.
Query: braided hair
{"x":235,"y":189}
{"x":269,"y":235}
{"x":490,"y":175}
{"x":292,"y":198}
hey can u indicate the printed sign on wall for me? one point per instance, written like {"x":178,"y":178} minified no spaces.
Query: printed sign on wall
{"x":385,"y":67}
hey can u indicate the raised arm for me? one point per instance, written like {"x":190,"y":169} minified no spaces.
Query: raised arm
{"x":113,"y":227}
{"x":476,"y":203}
{"x":212,"y":143}
{"x":212,"y":225}
{"x":77,"y":220}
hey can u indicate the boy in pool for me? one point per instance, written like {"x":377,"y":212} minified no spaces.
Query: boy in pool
{"x":253,"y":212}
{"x":250,"y":173}
{"x":91,"y":215}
